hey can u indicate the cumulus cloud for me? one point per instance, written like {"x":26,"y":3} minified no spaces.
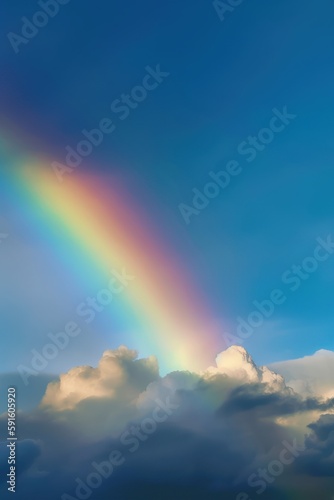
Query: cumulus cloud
{"x":187,"y":435}
{"x":118,"y":375}
{"x":311,"y":375}
{"x":237,"y":364}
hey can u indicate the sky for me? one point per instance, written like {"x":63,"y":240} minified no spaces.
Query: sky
{"x":236,"y":95}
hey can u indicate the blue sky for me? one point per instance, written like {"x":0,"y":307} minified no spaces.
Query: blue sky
{"x":224,"y":80}
{"x":252,"y":94}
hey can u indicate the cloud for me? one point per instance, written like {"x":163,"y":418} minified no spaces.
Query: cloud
{"x":119,"y":375}
{"x":254,"y":397}
{"x":27,"y":449}
{"x":237,"y":364}
{"x":318,"y":459}
{"x":187,"y":435}
{"x":311,"y":375}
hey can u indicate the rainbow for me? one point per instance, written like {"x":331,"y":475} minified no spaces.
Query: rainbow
{"x":93,"y":226}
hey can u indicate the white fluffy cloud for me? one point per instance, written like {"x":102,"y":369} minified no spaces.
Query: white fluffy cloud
{"x":311,"y":375}
{"x":118,"y":376}
{"x":237,"y":364}
{"x":124,"y":379}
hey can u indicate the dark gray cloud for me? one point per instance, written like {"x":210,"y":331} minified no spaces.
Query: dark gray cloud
{"x":253,"y":397}
{"x":318,"y":459}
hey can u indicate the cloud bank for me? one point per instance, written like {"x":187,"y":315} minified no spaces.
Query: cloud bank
{"x":122,"y":431}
